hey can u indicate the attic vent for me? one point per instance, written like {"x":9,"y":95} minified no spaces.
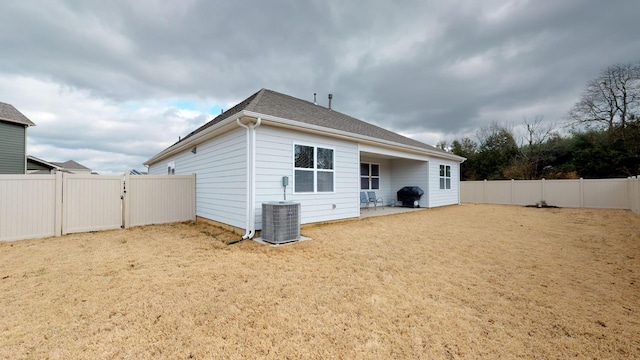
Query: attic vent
{"x":280,"y":222}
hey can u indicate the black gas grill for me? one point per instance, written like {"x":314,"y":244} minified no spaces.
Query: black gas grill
{"x":410,"y":195}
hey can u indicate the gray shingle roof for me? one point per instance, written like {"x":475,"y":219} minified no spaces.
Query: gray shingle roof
{"x":11,"y":114}
{"x":71,"y":165}
{"x":272,"y":103}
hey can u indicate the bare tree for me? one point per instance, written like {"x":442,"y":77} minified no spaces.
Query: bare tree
{"x":485,"y":132}
{"x":443,"y":145}
{"x":610,"y":99}
{"x":538,"y":132}
{"x":533,"y":151}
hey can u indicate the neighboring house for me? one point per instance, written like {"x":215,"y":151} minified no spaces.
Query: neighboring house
{"x":39,"y":166}
{"x":13,"y":140}
{"x":241,"y":156}
{"x":73,"y":167}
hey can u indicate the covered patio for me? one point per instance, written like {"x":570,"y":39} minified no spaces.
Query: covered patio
{"x":386,"y":173}
{"x":385,"y":210}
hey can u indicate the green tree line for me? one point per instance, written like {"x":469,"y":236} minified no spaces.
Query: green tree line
{"x":604,"y":140}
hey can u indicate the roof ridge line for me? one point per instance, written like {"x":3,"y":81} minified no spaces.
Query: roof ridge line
{"x":255,"y":101}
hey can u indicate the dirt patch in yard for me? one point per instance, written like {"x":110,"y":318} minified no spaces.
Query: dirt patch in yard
{"x":469,"y":281}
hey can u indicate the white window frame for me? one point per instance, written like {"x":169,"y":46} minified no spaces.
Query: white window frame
{"x":171,"y":168}
{"x":315,"y":169}
{"x":445,"y":177}
{"x":369,"y":177}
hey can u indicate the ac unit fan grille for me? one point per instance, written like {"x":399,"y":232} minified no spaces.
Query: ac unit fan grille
{"x":280,"y":222}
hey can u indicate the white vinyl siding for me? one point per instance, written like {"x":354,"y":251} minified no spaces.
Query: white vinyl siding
{"x":410,"y":173}
{"x":221,"y":190}
{"x":221,"y":179}
{"x":275,"y":159}
{"x":385,"y":190}
{"x":443,"y":197}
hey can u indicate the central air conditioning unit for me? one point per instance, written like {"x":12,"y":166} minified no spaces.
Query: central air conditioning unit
{"x":280,"y":222}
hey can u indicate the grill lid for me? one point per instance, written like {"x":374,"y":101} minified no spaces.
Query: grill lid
{"x":410,"y":191}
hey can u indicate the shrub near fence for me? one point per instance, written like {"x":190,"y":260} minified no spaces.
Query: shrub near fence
{"x":34,"y":206}
{"x":579,"y":193}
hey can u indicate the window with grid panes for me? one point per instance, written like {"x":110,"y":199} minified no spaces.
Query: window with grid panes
{"x":369,"y":176}
{"x":445,"y":177}
{"x":313,"y":169}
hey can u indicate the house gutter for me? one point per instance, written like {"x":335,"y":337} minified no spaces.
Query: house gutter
{"x":297,"y":125}
{"x":294,"y":125}
{"x":251,"y":179}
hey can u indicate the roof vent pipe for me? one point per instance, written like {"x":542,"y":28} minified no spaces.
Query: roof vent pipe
{"x":330,"y":97}
{"x":314,"y":99}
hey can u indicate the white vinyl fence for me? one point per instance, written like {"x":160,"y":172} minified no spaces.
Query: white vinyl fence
{"x":157,"y":199}
{"x":579,"y":193}
{"x":28,"y":206}
{"x":35,"y":206}
{"x":91,"y":203}
{"x":634,"y":192}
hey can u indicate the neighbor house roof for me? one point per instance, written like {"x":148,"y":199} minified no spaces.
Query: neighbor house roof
{"x":281,"y":106}
{"x":11,"y":114}
{"x":68,"y":166}
{"x":49,"y":165}
{"x":71,"y":165}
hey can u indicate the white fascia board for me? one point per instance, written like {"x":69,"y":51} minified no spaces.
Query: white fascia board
{"x":229,"y":122}
{"x":196,"y":139}
{"x":365,"y":140}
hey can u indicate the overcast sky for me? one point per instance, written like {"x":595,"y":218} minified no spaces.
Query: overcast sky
{"x":111,"y":83}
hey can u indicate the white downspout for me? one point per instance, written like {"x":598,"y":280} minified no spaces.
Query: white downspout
{"x":246,"y":234}
{"x":251,"y":181}
{"x":253,"y":177}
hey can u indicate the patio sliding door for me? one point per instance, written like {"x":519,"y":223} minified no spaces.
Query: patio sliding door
{"x":369,"y":176}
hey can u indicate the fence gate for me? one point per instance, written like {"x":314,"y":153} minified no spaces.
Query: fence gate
{"x":34,"y":206}
{"x":91,"y":203}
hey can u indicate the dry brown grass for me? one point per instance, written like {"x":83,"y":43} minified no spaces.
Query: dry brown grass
{"x":470,"y":281}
